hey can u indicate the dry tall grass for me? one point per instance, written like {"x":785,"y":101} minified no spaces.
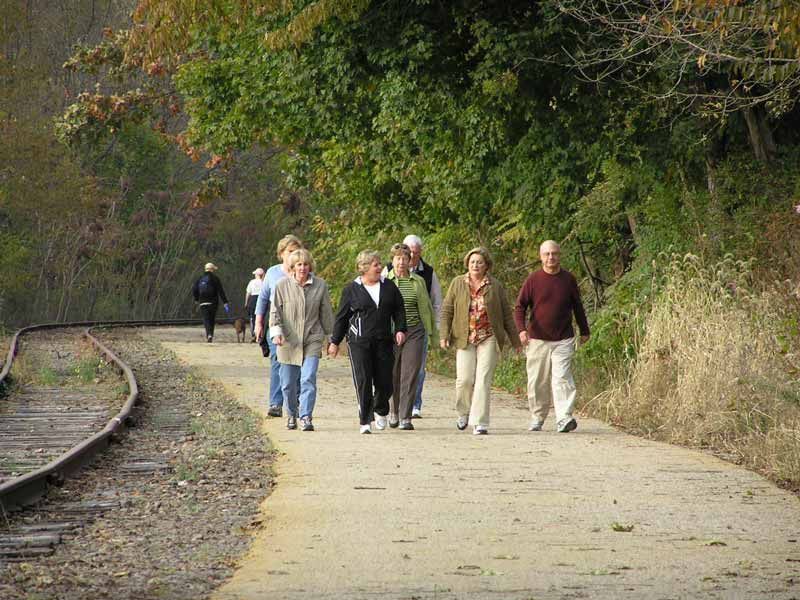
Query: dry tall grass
{"x":717,"y":368}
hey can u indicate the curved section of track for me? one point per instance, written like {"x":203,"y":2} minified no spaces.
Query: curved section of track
{"x":27,"y":488}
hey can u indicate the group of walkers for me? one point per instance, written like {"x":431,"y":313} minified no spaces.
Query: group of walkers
{"x":392,"y":313}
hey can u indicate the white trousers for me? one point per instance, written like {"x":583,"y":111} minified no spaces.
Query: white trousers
{"x":550,"y":381}
{"x":474,"y":372}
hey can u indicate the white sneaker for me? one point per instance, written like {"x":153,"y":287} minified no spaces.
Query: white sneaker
{"x":365,"y":429}
{"x":566,"y":425}
{"x":461,"y":423}
{"x":380,"y":422}
{"x":480,"y":430}
{"x":416,"y":414}
{"x":535,"y":426}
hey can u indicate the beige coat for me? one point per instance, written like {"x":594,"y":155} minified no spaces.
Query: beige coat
{"x":303,"y":316}
{"x":455,"y":314}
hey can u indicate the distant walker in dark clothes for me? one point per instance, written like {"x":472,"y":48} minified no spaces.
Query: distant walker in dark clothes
{"x":552,"y":296}
{"x":207,"y":292}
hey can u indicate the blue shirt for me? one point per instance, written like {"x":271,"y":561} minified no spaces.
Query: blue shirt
{"x":274,"y":275}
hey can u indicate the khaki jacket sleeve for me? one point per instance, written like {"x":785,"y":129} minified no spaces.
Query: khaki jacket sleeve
{"x":326,"y":311}
{"x":276,"y":314}
{"x":508,"y":318}
{"x":447,"y":312}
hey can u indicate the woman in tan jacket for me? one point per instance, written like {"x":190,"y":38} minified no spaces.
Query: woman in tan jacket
{"x":478,"y":320}
{"x":299,"y":319}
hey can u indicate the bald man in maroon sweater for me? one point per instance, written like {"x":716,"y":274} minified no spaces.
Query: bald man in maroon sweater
{"x":552,"y":296}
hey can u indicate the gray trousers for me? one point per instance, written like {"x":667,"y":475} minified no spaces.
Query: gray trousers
{"x":407,"y":364}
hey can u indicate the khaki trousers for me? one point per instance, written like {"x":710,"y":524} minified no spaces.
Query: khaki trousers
{"x":474,"y":372}
{"x":549,"y":366}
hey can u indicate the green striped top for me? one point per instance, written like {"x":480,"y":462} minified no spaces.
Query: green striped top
{"x":409,"y":292}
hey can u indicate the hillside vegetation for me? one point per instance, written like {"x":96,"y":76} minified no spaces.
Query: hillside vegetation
{"x":657,"y":142}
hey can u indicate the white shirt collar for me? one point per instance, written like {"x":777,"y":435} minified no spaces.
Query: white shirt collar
{"x":360,"y":281}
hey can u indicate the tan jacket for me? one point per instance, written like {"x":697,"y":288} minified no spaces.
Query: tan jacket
{"x":455,"y":314}
{"x":302,"y":317}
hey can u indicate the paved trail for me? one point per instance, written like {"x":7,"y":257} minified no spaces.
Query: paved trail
{"x":438,"y":513}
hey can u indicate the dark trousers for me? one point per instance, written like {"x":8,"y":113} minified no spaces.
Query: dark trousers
{"x":209,"y":312}
{"x":407,"y":364}
{"x":372,"y":363}
{"x":251,"y":314}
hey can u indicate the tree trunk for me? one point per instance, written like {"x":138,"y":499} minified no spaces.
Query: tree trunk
{"x":711,"y":177}
{"x":759,"y":134}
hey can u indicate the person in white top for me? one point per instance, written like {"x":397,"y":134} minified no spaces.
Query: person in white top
{"x":251,"y":298}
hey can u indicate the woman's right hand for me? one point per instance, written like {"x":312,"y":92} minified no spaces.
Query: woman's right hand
{"x":444,"y":344}
{"x":278,"y":340}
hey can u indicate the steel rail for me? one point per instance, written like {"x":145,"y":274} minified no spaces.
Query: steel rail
{"x":28,"y":488}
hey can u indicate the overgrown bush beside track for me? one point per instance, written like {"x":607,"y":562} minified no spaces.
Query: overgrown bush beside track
{"x":715,"y":366}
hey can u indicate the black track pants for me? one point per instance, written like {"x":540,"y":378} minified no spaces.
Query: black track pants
{"x":372,"y":364}
{"x":209,"y":312}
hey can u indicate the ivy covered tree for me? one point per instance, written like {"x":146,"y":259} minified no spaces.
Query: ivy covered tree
{"x":450,"y":112}
{"x":507,"y":122}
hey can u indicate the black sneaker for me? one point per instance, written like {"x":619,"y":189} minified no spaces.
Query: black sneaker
{"x":406,"y":425}
{"x":275,"y":411}
{"x":209,"y":339}
{"x":291,"y":422}
{"x":306,"y":424}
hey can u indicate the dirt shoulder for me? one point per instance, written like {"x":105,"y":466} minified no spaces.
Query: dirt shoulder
{"x":439,"y":513}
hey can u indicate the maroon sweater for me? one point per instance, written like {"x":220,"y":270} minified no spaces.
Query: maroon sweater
{"x":552,"y":300}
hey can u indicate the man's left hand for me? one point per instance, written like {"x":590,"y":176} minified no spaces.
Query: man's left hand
{"x":400,"y":338}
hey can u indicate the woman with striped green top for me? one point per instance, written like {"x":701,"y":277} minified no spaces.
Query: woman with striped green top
{"x":420,"y":323}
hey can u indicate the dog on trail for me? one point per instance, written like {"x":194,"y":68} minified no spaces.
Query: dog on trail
{"x":240,"y":325}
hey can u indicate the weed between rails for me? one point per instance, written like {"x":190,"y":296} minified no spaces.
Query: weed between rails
{"x":40,"y":367}
{"x":716,"y":368}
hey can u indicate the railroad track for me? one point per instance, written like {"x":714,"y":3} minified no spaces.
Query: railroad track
{"x":165,"y":512}
{"x":50,"y":433}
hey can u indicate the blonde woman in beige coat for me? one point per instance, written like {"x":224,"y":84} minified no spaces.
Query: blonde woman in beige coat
{"x":477,"y":319}
{"x":300,"y":318}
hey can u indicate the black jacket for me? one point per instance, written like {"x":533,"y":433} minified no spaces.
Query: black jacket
{"x":362,"y":321}
{"x":208,"y":289}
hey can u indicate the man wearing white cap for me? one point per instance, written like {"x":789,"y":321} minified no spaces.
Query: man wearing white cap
{"x":251,"y":299}
{"x":207,"y":291}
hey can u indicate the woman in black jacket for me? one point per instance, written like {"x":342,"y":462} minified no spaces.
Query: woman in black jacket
{"x":372,"y":315}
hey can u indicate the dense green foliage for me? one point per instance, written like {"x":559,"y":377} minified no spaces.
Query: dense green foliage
{"x":472,"y":122}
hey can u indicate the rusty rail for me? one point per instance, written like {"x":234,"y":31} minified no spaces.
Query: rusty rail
{"x":28,"y":488}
